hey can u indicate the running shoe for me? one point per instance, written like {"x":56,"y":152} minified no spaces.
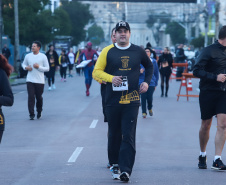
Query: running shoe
{"x":115,"y":171}
{"x":50,"y":88}
{"x":53,"y":86}
{"x":144,"y":115}
{"x":150,"y":112}
{"x":62,"y":79}
{"x":109,"y":165}
{"x":39,"y":115}
{"x":65,"y":80}
{"x":124,"y":177}
{"x":32,"y":117}
{"x":218,"y":165}
{"x":87,"y":93}
{"x":202,"y":162}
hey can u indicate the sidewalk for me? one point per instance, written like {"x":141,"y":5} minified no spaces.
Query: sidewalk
{"x":17,"y":81}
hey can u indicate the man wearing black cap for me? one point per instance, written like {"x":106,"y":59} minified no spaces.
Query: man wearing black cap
{"x":119,"y":66}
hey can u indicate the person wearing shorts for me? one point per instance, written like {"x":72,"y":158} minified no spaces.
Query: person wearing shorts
{"x":210,"y":67}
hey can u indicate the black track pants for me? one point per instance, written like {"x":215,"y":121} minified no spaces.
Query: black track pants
{"x":122,"y":121}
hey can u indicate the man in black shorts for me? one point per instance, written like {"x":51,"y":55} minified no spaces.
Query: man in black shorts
{"x":119,"y":66}
{"x":210,"y":67}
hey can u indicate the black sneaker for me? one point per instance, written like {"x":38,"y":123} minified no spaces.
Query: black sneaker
{"x":202,"y":162}
{"x":115,"y":171}
{"x":39,"y":115}
{"x":32,"y":117}
{"x":218,"y":165}
{"x":124,"y":177}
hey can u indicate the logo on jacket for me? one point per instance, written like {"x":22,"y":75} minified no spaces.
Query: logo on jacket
{"x":125,"y":63}
{"x":1,"y":120}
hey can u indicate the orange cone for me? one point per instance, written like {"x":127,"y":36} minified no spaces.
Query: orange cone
{"x":189,"y":87}
{"x":183,"y":81}
{"x":174,"y":72}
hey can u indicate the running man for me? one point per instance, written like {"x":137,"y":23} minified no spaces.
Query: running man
{"x":119,"y":66}
{"x":36,"y":64}
{"x":210,"y":67}
{"x":88,"y":54}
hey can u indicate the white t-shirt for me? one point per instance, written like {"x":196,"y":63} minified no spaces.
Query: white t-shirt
{"x":36,"y":75}
{"x":71,"y":57}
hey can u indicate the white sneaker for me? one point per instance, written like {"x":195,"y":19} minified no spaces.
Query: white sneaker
{"x":115,"y":172}
{"x":50,"y":88}
{"x":53,"y":86}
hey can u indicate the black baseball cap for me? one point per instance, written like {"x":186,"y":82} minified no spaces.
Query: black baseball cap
{"x":122,"y":24}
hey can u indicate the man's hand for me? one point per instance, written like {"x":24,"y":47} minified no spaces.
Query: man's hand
{"x":36,"y":66}
{"x":103,"y":82}
{"x":141,"y":70}
{"x":143,"y":87}
{"x":221,"y":78}
{"x":117,"y":80}
{"x":29,"y":68}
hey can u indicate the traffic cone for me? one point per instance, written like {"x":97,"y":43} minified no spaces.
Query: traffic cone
{"x":183,"y":81}
{"x":189,"y":87}
{"x":174,"y":72}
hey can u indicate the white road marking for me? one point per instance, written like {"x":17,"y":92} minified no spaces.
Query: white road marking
{"x":75,"y":154}
{"x":94,"y":123}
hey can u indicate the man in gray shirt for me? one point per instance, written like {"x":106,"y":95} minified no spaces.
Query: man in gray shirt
{"x":36,"y":64}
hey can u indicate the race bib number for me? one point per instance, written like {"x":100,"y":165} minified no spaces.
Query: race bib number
{"x":64,"y":65}
{"x":123,"y":86}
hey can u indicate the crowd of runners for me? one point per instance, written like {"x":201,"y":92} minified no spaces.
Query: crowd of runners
{"x":128,"y":75}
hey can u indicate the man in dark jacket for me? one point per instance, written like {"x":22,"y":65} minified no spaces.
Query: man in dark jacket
{"x":180,"y":58}
{"x":6,"y":52}
{"x":210,"y":67}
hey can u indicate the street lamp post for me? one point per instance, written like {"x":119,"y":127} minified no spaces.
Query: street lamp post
{"x":16,"y":46}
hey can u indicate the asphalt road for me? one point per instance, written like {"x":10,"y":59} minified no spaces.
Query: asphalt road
{"x":68,"y":145}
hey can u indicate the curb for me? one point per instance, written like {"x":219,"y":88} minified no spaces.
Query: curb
{"x":18,"y":81}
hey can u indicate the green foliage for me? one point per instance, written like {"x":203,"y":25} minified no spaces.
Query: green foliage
{"x":80,"y":16}
{"x":62,"y":22}
{"x":198,"y":42}
{"x":176,"y":32}
{"x":95,"y":34}
{"x":34,"y":22}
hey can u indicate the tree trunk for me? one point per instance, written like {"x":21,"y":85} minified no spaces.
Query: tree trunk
{"x":16,"y":46}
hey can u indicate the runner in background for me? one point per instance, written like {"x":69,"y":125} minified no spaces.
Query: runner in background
{"x":88,"y":54}
{"x":147,"y":98}
{"x":52,"y":57}
{"x":78,"y":70}
{"x":71,"y":57}
{"x":63,"y":62}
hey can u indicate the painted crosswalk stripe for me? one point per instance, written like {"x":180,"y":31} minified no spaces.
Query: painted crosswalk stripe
{"x":75,"y":154}
{"x":94,"y":123}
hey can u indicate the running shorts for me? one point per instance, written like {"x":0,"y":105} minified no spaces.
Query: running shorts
{"x":71,"y":66}
{"x":212,"y":103}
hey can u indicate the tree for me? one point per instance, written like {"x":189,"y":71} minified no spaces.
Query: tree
{"x":62,"y":22}
{"x":95,"y":34}
{"x":198,"y":42}
{"x":80,"y":16}
{"x":35,"y":22}
{"x":176,"y":32}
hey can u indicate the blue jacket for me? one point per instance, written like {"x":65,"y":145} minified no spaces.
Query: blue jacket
{"x":155,"y":76}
